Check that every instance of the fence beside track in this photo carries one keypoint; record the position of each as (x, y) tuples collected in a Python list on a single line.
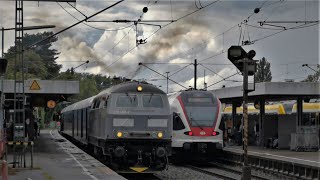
[(274, 166)]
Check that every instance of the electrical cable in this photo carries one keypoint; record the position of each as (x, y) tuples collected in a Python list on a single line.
[(180, 19), (122, 28), (296, 27), (164, 76), (162, 28), (180, 70), (223, 79), (215, 55), (211, 71)]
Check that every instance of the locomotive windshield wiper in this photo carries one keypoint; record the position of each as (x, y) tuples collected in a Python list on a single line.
[(129, 97), (150, 97), (195, 122)]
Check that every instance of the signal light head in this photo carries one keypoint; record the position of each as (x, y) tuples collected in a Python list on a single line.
[(251, 54)]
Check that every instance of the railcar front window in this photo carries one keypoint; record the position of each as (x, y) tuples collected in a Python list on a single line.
[(127, 101), (201, 115), (152, 101)]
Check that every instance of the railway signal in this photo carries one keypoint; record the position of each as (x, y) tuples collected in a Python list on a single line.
[(244, 62), (236, 54)]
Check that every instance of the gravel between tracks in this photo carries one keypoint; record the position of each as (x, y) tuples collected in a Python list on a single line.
[(178, 172)]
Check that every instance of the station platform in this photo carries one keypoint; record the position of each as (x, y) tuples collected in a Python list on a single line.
[(303, 158), (57, 158)]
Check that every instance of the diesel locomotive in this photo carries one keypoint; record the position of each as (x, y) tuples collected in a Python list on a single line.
[(128, 125)]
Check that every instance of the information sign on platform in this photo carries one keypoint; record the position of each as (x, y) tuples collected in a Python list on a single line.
[(51, 104)]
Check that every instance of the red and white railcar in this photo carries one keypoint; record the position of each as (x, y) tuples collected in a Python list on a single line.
[(196, 121)]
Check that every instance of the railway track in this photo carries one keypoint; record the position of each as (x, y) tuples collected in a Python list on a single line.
[(278, 168), (222, 171)]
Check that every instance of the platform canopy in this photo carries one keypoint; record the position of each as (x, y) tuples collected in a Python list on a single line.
[(275, 91), (40, 92), (49, 0)]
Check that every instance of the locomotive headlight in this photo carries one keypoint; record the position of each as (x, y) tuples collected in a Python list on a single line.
[(139, 88), (119, 134), (160, 135)]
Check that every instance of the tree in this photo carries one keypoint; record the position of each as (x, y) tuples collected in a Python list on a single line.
[(45, 51), (39, 61), (315, 77), (263, 73), (33, 64)]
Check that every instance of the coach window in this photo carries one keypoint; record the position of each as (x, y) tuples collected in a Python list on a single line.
[(105, 104), (177, 122), (96, 104), (93, 104)]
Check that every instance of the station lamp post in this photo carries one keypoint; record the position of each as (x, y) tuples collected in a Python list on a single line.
[(243, 61)]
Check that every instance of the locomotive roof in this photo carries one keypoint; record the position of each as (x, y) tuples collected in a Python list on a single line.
[(128, 87), (125, 87)]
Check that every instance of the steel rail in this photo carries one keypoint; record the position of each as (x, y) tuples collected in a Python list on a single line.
[(239, 172), (211, 173)]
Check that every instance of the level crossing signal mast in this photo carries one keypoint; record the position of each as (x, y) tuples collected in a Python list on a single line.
[(244, 62)]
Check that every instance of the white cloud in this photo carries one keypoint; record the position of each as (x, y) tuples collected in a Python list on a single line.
[(180, 42)]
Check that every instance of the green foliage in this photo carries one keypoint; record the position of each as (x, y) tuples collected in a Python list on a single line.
[(45, 51), (315, 77), (33, 63), (39, 61), (263, 73), (91, 84)]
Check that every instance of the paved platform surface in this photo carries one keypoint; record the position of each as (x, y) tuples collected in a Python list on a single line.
[(306, 158), (55, 158)]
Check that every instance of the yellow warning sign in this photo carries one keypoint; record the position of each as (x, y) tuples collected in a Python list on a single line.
[(35, 85)]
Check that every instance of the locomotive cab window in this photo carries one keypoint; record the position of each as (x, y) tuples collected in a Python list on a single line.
[(154, 101), (106, 102), (127, 101)]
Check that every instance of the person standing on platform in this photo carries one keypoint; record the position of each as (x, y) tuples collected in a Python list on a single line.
[(35, 125)]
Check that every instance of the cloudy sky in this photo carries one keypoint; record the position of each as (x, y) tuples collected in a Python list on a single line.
[(201, 29)]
